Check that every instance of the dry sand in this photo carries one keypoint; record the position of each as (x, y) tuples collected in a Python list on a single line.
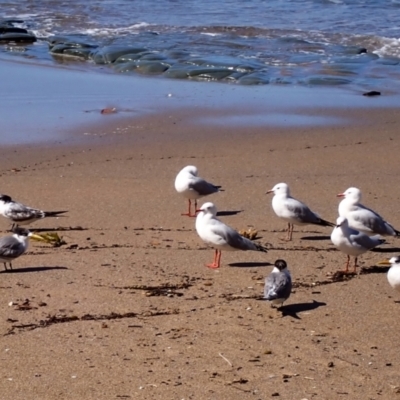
[(127, 309)]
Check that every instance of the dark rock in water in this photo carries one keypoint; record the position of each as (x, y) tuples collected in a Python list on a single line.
[(78, 52), (209, 73), (177, 71), (109, 54), (362, 50), (254, 79), (143, 67), (372, 93), (69, 41), (17, 38), (11, 29), (153, 56), (152, 67), (130, 57)]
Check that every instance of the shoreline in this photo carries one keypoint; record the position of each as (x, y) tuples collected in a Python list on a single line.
[(58, 104)]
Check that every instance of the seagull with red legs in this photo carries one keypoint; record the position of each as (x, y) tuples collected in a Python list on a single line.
[(192, 187), (220, 236), (352, 242)]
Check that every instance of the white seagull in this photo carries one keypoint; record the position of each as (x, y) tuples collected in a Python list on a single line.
[(362, 218), (292, 210), (192, 187), (220, 236), (20, 214), (14, 246), (352, 242), (393, 275), (278, 285)]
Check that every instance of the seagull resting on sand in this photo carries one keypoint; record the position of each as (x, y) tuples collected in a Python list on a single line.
[(393, 275), (278, 285), (14, 246), (352, 242), (220, 236), (292, 210), (362, 218), (20, 214), (192, 187)]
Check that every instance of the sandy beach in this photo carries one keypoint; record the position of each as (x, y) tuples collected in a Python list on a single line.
[(126, 309)]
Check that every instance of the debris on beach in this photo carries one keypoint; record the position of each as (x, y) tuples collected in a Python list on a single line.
[(110, 110), (249, 233), (52, 238)]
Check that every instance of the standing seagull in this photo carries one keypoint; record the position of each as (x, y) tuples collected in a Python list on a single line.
[(393, 275), (14, 246), (189, 185), (220, 236), (352, 242), (20, 214), (292, 210), (362, 218), (278, 285)]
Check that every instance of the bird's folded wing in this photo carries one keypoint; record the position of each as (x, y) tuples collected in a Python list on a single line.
[(202, 187)]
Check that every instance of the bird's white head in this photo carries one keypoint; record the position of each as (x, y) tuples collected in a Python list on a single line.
[(21, 233), (341, 222), (280, 189), (208, 208), (190, 169), (395, 260), (352, 194)]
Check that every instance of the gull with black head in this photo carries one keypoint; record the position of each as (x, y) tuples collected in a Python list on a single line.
[(11, 247), (21, 214), (278, 284)]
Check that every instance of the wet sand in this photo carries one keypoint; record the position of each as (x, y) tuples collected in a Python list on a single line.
[(127, 309)]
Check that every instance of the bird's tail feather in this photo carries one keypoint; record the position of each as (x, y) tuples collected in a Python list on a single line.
[(326, 223), (53, 213), (260, 247), (397, 232)]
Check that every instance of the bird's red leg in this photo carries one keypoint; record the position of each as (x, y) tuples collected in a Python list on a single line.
[(291, 227), (355, 266), (189, 209), (346, 271), (215, 263)]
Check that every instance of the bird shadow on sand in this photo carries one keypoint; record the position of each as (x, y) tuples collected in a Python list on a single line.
[(386, 250), (227, 213), (293, 309), (32, 269), (315, 238), (60, 229), (250, 264)]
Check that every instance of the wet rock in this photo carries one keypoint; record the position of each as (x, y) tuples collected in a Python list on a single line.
[(372, 93), (108, 54), (17, 37), (254, 79)]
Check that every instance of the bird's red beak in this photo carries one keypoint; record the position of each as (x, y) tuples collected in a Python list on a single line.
[(269, 191), (198, 210), (340, 195)]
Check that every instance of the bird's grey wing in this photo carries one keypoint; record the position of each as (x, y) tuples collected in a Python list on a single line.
[(10, 247), (373, 221), (203, 187), (233, 238), (277, 286), (302, 212), (364, 241), (19, 212)]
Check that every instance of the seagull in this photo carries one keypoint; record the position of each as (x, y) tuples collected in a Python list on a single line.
[(293, 210), (220, 236), (278, 285), (11, 247), (352, 242), (362, 218), (393, 274), (192, 187), (20, 214)]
